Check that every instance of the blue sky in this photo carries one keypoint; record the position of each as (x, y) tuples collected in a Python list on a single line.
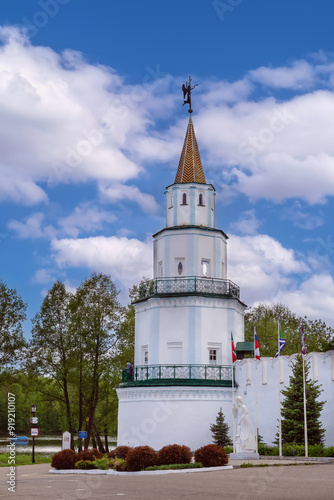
[(92, 127)]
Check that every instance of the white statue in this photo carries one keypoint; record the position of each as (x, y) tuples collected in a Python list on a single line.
[(245, 439)]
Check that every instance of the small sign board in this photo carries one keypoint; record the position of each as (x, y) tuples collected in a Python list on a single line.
[(82, 434), (66, 442), (34, 420), (34, 431)]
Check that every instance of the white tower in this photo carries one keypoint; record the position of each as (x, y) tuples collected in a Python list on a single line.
[(184, 319)]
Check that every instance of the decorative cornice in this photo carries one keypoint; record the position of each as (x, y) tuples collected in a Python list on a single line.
[(190, 300), (173, 394), (191, 230)]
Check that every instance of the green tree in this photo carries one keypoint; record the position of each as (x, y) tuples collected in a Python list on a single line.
[(12, 315), (319, 336), (293, 407), (53, 348), (96, 314), (220, 430)]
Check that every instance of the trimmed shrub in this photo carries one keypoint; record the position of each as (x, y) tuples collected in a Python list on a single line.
[(264, 449), (85, 465), (102, 463), (176, 466), (211, 455), (329, 452), (89, 454), (174, 454), (117, 464), (119, 452), (64, 459), (141, 457)]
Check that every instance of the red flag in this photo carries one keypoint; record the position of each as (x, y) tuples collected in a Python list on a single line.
[(234, 356)]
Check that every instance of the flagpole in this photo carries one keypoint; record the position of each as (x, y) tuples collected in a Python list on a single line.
[(255, 393), (279, 400), (233, 401), (304, 391)]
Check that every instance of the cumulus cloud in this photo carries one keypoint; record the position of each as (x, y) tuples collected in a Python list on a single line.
[(261, 266), (63, 120), (85, 218), (126, 260), (299, 75), (32, 227), (248, 223), (115, 193)]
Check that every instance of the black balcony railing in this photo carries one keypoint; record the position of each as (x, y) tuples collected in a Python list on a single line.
[(188, 285), (178, 375)]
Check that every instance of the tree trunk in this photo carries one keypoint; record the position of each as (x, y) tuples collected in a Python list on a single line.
[(98, 439), (106, 439)]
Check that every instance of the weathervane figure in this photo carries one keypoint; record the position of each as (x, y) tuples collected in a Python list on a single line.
[(187, 88)]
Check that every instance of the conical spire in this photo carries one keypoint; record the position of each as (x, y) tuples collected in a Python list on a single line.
[(190, 165)]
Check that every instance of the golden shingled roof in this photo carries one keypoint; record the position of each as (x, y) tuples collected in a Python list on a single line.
[(190, 165)]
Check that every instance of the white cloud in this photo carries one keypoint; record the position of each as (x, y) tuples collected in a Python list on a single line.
[(299, 75), (43, 276), (32, 227), (118, 192), (314, 298), (248, 223), (85, 218), (300, 218), (63, 119), (126, 260), (261, 266)]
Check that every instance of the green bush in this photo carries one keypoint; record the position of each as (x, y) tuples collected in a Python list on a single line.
[(211, 455), (85, 465), (316, 450), (89, 454), (267, 450), (119, 452), (176, 466), (174, 454), (329, 452), (141, 457), (64, 459), (118, 464), (297, 450), (102, 463)]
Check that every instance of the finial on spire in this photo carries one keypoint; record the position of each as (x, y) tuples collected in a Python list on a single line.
[(187, 88)]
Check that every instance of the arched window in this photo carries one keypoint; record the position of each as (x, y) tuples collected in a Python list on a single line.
[(180, 268), (200, 200), (184, 199), (171, 200)]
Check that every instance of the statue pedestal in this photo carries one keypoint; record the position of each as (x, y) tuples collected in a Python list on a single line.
[(244, 456)]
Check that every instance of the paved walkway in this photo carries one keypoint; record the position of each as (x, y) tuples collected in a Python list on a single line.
[(303, 482)]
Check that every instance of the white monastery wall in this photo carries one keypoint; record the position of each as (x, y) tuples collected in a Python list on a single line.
[(263, 376)]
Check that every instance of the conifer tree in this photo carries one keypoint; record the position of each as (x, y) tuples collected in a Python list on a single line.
[(220, 430), (293, 408)]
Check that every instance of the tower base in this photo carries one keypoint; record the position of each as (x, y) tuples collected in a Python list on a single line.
[(159, 416)]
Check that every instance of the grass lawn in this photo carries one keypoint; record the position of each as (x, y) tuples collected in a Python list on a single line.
[(24, 459)]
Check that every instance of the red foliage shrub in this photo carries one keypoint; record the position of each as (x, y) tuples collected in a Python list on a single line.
[(174, 454), (89, 454), (119, 452), (64, 459), (211, 455), (141, 457)]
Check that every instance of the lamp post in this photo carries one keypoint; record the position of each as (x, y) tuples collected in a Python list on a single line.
[(33, 411)]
